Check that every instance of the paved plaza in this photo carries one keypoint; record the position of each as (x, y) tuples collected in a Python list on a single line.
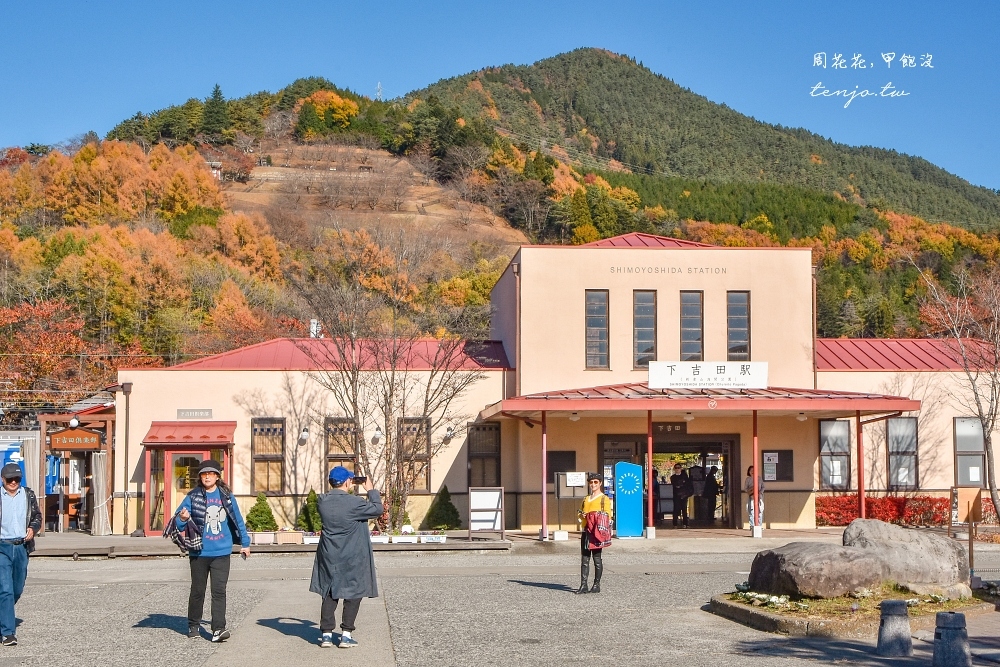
[(465, 608)]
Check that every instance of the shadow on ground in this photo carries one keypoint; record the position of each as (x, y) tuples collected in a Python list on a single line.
[(293, 627), (173, 622), (853, 652), (543, 584)]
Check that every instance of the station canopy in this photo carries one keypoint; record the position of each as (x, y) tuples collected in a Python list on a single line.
[(625, 400)]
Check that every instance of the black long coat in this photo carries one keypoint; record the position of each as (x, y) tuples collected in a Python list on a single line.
[(345, 567)]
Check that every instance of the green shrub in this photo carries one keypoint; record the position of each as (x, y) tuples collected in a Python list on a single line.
[(309, 519), (442, 515), (260, 517)]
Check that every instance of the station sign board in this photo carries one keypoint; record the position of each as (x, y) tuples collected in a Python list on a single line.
[(708, 375)]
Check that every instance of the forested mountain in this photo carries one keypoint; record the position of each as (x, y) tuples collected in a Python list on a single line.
[(593, 102), (192, 229)]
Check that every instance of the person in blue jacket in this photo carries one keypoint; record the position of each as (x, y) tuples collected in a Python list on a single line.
[(217, 516)]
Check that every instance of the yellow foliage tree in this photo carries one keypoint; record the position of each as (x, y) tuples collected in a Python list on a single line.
[(331, 106)]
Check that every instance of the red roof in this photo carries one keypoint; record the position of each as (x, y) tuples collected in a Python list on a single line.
[(310, 354), (638, 396), (190, 433), (886, 354), (640, 240)]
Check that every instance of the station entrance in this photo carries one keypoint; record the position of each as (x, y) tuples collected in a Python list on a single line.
[(710, 462)]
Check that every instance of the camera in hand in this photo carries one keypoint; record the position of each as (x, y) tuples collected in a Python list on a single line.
[(360, 479)]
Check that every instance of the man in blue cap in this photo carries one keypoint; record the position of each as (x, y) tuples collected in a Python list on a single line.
[(20, 519), (344, 568)]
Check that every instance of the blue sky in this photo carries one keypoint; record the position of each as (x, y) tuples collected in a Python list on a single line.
[(73, 66)]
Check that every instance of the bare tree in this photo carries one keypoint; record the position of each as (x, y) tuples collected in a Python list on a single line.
[(375, 189), (333, 191), (244, 142), (278, 125), (398, 187), (969, 315), (355, 191), (426, 164), (377, 360)]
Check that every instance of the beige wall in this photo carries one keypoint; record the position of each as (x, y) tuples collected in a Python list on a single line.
[(238, 396), (503, 303), (553, 284), (941, 395)]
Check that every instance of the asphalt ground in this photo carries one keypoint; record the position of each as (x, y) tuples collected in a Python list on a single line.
[(459, 609)]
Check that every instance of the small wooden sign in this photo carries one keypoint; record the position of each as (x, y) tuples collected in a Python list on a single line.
[(76, 438), (966, 505)]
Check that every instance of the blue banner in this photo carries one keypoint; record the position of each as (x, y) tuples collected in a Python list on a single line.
[(51, 475), (12, 454), (628, 499)]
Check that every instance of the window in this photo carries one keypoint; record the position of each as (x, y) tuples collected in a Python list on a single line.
[(643, 328), (484, 454), (267, 449), (597, 329), (415, 451), (738, 326), (341, 437), (970, 453), (835, 454), (558, 462), (692, 323), (901, 444)]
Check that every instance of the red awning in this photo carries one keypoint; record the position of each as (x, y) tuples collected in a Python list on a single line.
[(625, 398), (190, 433)]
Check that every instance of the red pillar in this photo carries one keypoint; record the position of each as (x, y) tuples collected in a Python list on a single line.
[(756, 474), (861, 466), (543, 534), (651, 487)]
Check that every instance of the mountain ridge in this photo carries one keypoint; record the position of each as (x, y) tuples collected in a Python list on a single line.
[(679, 133)]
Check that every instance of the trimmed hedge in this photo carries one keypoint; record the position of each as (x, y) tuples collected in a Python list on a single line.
[(908, 511)]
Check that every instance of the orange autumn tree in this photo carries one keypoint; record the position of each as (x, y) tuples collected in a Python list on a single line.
[(110, 181)]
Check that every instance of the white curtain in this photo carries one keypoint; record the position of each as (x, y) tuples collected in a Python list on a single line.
[(29, 450), (100, 523)]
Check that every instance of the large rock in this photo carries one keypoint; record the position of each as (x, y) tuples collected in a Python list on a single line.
[(814, 570), (922, 562)]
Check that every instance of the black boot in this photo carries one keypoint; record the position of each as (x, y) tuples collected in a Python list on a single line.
[(584, 573), (598, 571)]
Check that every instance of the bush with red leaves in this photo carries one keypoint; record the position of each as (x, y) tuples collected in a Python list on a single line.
[(902, 510)]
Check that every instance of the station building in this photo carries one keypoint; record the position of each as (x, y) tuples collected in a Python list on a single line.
[(564, 385)]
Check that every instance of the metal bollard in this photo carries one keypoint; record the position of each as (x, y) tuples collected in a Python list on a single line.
[(951, 641), (894, 630)]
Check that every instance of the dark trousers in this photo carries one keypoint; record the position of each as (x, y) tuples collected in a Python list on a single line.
[(328, 614), (200, 569), (585, 555), (681, 510), (13, 572)]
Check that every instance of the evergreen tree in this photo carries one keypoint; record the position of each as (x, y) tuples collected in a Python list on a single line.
[(309, 519), (309, 124), (442, 515), (215, 118), (579, 209), (260, 517)]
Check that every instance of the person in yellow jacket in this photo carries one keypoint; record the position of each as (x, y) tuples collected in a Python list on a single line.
[(595, 501)]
